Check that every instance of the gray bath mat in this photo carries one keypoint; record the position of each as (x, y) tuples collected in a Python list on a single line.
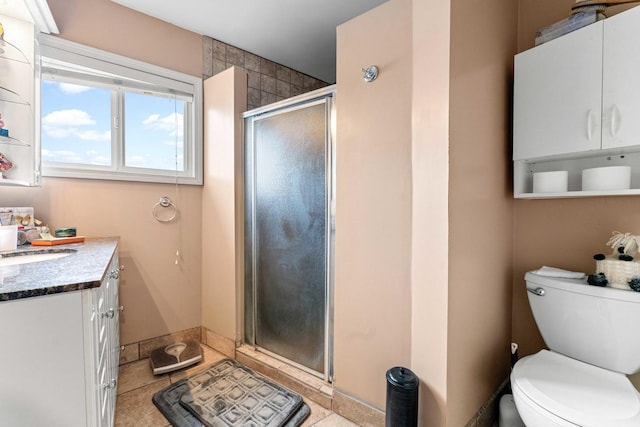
[(230, 394)]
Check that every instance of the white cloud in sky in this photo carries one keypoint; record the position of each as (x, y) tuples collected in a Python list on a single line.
[(71, 89), (173, 123), (92, 135), (66, 123), (91, 157), (71, 117)]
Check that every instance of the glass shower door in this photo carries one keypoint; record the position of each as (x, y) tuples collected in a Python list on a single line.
[(288, 236)]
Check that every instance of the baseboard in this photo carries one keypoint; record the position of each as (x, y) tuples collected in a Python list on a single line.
[(487, 415), (354, 409), (217, 342)]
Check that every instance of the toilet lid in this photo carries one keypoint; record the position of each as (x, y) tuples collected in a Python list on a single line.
[(577, 392)]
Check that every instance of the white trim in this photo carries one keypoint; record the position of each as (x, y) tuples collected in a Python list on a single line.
[(185, 87), (42, 17)]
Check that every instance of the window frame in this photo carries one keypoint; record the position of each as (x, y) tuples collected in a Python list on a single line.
[(140, 77)]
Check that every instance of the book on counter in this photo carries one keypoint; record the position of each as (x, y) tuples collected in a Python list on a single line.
[(572, 23), (57, 241)]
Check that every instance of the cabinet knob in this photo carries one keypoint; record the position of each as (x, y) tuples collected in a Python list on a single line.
[(121, 348), (109, 313), (111, 384), (121, 268), (114, 274), (121, 308)]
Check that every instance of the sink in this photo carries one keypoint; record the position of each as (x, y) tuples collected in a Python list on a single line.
[(17, 258)]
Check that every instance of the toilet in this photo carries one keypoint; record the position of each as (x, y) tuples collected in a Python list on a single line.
[(594, 342)]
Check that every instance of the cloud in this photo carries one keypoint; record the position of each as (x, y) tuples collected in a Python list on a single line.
[(71, 89), (90, 157), (67, 123), (92, 135), (68, 118), (173, 123)]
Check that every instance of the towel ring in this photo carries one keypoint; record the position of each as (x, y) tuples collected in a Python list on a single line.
[(164, 202)]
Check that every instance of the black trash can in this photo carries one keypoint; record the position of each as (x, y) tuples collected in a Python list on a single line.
[(402, 398)]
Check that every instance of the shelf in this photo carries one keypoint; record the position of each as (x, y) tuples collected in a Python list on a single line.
[(13, 141), (577, 194), (523, 171), (16, 182), (11, 52), (7, 94)]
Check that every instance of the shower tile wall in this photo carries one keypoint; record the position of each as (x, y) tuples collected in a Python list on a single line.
[(268, 82)]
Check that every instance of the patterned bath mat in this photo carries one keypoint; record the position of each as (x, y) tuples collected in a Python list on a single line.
[(230, 394)]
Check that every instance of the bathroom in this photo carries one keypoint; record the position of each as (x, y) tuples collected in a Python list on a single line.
[(431, 247)]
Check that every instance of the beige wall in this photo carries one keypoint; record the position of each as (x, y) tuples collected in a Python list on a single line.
[(159, 296), (225, 100), (373, 202), (430, 215), (483, 42), (106, 25), (456, 149)]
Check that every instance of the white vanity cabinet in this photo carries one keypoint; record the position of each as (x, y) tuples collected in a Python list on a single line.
[(576, 104), (59, 358)]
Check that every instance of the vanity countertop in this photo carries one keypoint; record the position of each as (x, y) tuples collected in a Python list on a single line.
[(83, 269)]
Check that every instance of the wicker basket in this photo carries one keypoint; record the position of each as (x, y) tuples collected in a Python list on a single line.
[(618, 272)]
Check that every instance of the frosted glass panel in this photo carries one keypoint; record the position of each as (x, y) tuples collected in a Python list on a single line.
[(290, 215)]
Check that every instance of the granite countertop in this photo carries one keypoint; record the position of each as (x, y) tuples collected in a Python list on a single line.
[(85, 267)]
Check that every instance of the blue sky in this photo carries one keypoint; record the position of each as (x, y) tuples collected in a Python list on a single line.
[(76, 127)]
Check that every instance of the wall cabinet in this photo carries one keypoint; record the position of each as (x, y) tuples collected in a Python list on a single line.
[(60, 357), (576, 100), (19, 112)]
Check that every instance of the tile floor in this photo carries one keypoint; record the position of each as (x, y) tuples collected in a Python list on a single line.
[(137, 385)]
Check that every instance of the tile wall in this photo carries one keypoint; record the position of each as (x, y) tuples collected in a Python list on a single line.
[(268, 82)]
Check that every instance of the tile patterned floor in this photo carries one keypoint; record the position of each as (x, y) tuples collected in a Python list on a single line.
[(137, 385)]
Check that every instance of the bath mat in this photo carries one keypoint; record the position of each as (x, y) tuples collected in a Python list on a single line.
[(230, 394)]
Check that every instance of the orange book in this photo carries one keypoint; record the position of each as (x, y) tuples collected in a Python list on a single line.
[(57, 241)]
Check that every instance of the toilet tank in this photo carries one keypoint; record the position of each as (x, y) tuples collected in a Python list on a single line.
[(600, 326)]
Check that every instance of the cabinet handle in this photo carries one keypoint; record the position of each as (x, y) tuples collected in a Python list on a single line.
[(590, 125), (616, 118)]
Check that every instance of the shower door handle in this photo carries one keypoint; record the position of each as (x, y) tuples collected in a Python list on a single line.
[(537, 291)]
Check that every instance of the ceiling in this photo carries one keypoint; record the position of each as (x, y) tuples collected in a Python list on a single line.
[(300, 34)]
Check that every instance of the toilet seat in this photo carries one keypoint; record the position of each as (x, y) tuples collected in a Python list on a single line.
[(575, 392)]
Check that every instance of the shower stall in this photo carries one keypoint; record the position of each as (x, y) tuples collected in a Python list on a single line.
[(289, 229)]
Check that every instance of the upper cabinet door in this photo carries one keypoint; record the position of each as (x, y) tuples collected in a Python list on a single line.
[(621, 80), (557, 96), (19, 141)]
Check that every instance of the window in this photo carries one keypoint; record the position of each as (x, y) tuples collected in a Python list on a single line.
[(104, 116)]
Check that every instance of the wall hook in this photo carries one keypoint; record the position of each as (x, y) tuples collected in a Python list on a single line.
[(370, 73)]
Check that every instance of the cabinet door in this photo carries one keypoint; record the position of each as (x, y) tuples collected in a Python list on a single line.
[(19, 141), (621, 80), (557, 96), (111, 291)]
